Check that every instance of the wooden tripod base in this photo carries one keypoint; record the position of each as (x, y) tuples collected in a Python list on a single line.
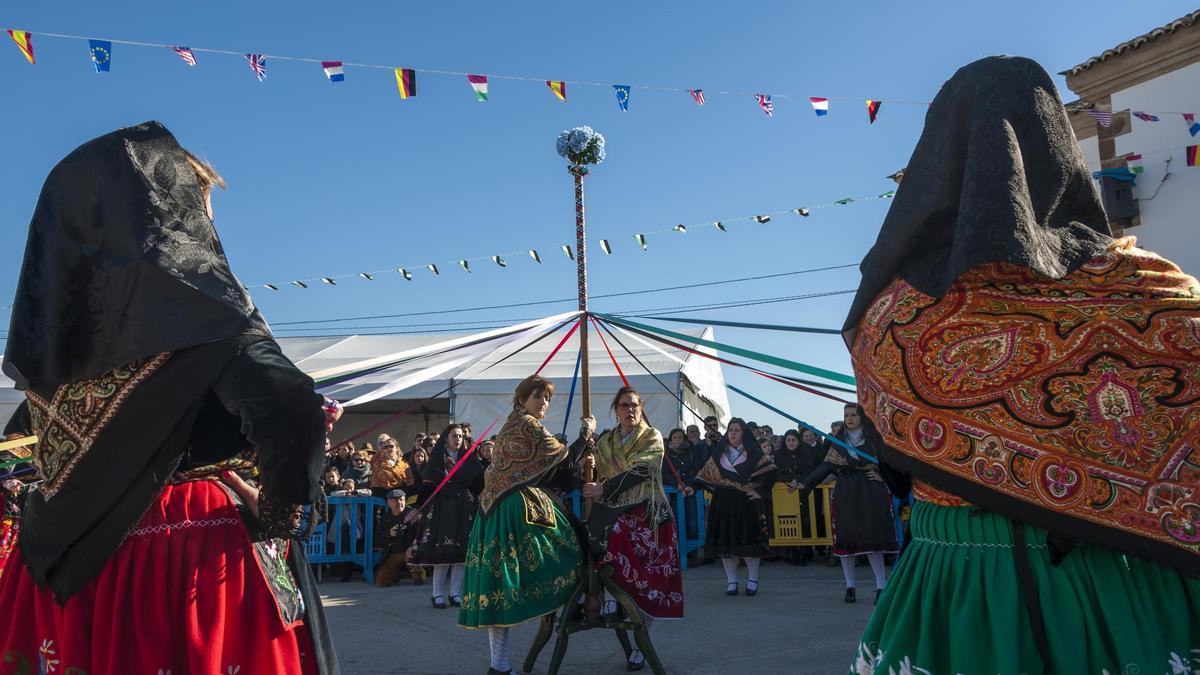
[(572, 619)]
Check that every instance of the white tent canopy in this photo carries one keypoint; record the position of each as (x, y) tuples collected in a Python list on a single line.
[(492, 378)]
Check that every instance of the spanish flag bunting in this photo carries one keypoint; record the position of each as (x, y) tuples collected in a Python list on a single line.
[(681, 229), (567, 252), (606, 246), (534, 254), (641, 240), (299, 284), (406, 81), (405, 273), (433, 268), (762, 219), (499, 261), (329, 281), (1191, 154), (873, 109), (366, 276), (465, 265), (559, 89), (802, 211), (24, 40)]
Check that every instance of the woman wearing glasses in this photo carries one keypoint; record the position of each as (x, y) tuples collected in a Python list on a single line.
[(631, 519)]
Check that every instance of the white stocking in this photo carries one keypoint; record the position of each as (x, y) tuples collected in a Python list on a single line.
[(876, 560), (752, 568), (457, 572), (730, 565), (498, 643), (848, 570), (439, 580)]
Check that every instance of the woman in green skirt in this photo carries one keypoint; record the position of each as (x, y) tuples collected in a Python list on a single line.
[(1034, 382), (524, 556)]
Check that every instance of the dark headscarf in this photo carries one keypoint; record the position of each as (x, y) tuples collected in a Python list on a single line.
[(996, 176), (122, 262)]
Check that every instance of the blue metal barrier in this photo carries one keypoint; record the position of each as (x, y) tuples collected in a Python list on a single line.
[(678, 500), (348, 535)]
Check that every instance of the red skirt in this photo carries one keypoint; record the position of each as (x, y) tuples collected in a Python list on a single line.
[(646, 563), (183, 594)]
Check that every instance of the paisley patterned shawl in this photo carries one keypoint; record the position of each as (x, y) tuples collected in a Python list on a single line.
[(524, 451), (641, 453), (749, 475), (1073, 405)]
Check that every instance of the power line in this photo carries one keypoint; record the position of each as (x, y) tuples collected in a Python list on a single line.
[(453, 326), (571, 299)]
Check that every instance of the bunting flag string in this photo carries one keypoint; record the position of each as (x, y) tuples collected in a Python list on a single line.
[(101, 51), (406, 82), (186, 54), (559, 88), (642, 239), (622, 91), (24, 40), (479, 83), (873, 109), (334, 71), (764, 102), (258, 63)]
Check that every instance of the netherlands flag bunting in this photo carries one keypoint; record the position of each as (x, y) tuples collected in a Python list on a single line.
[(333, 70), (820, 105)]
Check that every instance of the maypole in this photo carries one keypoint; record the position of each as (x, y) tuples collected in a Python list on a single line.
[(582, 147)]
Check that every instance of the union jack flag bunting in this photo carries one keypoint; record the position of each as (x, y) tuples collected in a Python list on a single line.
[(185, 54), (1145, 116), (258, 63), (697, 94), (764, 102)]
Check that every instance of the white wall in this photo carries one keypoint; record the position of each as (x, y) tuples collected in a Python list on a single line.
[(1169, 221)]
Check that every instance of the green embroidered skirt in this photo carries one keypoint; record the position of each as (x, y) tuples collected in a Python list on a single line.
[(517, 571), (953, 606)]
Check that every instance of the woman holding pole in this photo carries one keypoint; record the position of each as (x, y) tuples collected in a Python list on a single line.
[(631, 517), (524, 557)]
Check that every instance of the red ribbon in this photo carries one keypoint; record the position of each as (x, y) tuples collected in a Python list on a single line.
[(560, 346), (610, 354), (459, 463)]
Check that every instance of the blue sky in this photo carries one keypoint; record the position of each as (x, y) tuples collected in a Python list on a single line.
[(338, 179)]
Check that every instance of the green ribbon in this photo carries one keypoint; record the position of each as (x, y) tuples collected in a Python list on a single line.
[(730, 349), (832, 439), (738, 324)]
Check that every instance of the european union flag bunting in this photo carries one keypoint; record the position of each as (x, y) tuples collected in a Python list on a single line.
[(622, 96), (101, 54)]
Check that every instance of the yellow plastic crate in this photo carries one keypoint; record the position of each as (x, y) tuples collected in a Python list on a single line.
[(794, 527)]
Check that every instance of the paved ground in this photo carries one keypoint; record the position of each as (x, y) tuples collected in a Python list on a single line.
[(796, 624)]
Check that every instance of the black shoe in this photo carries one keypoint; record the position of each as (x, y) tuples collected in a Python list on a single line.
[(438, 602), (493, 671), (731, 588), (752, 590), (878, 592), (456, 600), (849, 595)]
